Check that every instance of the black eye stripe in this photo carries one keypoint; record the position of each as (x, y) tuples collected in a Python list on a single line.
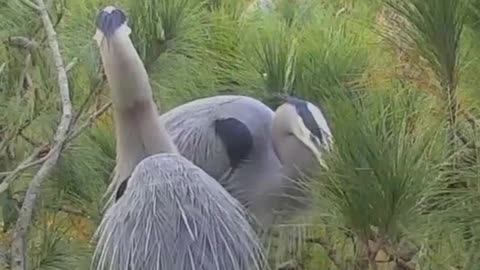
[(308, 119)]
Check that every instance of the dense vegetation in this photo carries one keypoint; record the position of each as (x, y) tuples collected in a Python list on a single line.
[(397, 79)]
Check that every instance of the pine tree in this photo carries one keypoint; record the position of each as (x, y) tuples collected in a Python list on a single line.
[(398, 81)]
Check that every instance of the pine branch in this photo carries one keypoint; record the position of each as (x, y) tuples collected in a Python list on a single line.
[(25, 216), (36, 158)]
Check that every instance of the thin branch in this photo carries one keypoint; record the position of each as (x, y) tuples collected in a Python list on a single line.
[(29, 162), (93, 92), (29, 140), (71, 64), (29, 4), (22, 43), (25, 215), (331, 252), (91, 119), (35, 158), (69, 210), (9, 137), (2, 67)]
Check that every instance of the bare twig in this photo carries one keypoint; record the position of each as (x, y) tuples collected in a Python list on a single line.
[(25, 216), (29, 4), (22, 43), (71, 65), (25, 78), (29, 162), (35, 158), (29, 140), (93, 92), (74, 134), (2, 67), (331, 252), (290, 265), (69, 209), (11, 135)]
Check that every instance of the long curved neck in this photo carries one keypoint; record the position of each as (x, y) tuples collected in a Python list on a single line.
[(139, 133)]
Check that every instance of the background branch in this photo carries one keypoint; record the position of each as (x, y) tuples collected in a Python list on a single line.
[(25, 216)]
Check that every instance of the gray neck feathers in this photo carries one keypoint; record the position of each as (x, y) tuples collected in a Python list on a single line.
[(138, 132)]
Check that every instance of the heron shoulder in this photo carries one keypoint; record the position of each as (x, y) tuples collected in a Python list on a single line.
[(236, 137)]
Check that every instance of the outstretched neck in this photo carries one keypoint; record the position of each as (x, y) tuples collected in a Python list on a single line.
[(126, 74), (139, 133)]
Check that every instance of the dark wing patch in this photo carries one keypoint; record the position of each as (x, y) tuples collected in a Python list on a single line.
[(109, 21), (307, 116), (121, 189), (236, 138)]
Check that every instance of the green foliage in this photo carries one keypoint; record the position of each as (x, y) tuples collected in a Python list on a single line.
[(390, 149), (434, 28), (380, 174), (83, 181), (51, 249)]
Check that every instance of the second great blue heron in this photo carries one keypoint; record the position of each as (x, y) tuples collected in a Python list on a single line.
[(173, 215), (258, 155)]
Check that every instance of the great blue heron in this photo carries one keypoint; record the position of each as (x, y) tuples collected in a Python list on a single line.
[(173, 216), (258, 155)]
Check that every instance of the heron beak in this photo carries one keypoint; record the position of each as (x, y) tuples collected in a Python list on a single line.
[(109, 22)]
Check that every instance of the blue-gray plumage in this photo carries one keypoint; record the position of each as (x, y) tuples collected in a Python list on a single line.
[(171, 215), (286, 145), (193, 129), (175, 216), (109, 20), (268, 179), (236, 138)]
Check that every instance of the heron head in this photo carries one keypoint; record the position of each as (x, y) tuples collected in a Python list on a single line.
[(300, 119), (111, 22)]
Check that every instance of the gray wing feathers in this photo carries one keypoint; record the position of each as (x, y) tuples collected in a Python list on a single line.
[(176, 217), (191, 127), (237, 139)]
